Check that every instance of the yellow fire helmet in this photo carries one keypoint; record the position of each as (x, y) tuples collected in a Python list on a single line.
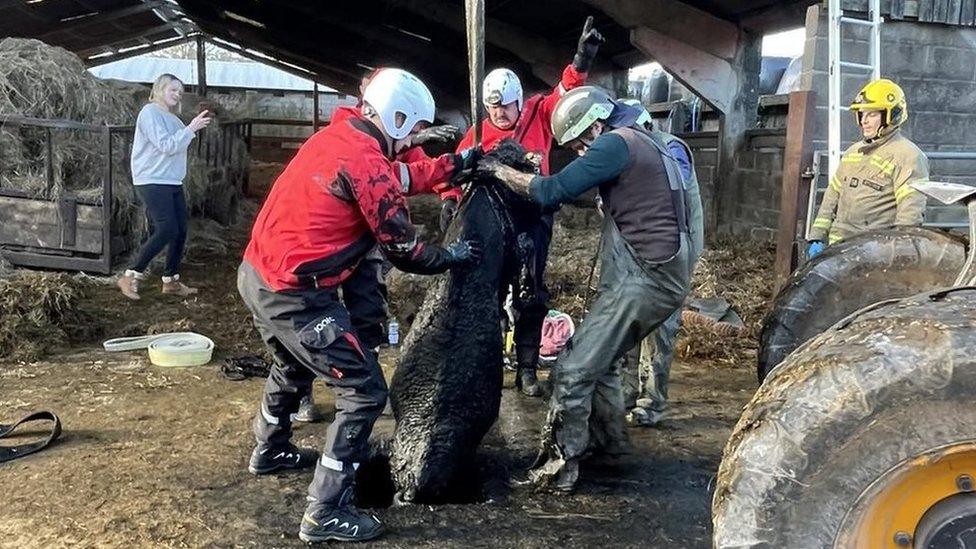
[(885, 96)]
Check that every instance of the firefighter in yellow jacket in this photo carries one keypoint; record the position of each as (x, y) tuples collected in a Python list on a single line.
[(870, 189)]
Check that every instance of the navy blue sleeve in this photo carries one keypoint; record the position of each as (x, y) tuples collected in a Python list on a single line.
[(607, 158), (679, 153)]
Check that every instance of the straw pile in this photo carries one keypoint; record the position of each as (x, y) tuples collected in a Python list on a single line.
[(41, 81), (742, 273), (40, 311), (572, 261)]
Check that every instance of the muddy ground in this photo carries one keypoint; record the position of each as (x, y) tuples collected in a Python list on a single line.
[(154, 457)]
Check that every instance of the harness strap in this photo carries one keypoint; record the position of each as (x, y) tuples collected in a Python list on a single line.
[(8, 453)]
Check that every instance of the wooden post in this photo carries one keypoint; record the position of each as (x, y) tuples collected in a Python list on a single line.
[(797, 159), (201, 66), (315, 107)]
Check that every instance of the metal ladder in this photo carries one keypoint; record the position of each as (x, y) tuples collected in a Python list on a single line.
[(837, 64)]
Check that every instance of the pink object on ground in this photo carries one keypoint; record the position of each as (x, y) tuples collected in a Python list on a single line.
[(557, 328)]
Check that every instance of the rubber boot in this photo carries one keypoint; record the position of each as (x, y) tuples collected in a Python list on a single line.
[(527, 382), (172, 285), (307, 412)]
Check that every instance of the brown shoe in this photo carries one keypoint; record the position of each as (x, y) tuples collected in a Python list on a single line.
[(129, 284), (172, 285)]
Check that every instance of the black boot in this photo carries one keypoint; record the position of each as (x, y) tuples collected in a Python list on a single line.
[(307, 412), (527, 383), (343, 522), (267, 459)]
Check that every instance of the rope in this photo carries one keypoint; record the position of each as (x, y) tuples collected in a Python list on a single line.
[(175, 349)]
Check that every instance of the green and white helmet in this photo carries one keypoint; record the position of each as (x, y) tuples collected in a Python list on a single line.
[(577, 110), (644, 117)]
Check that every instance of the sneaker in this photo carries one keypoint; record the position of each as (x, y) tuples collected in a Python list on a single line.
[(307, 412), (129, 284), (267, 459), (172, 285), (527, 382), (340, 523)]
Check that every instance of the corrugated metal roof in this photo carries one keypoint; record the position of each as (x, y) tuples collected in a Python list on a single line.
[(223, 74)]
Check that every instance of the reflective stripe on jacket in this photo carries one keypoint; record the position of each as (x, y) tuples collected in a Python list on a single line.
[(871, 189)]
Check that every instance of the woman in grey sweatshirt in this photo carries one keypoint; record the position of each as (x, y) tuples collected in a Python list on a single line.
[(158, 167)]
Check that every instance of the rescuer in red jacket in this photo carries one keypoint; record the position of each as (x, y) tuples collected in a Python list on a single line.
[(366, 296), (528, 122), (338, 199)]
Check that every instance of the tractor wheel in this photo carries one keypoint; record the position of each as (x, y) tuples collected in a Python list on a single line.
[(847, 276), (865, 437)]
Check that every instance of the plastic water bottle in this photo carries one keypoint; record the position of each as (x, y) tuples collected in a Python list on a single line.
[(393, 333)]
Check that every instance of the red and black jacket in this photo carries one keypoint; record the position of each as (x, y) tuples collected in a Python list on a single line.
[(337, 198)]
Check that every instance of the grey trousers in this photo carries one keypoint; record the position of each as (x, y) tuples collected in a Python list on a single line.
[(633, 299), (657, 350), (309, 334)]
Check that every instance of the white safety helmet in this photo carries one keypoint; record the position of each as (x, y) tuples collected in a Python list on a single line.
[(396, 91), (501, 87), (645, 117)]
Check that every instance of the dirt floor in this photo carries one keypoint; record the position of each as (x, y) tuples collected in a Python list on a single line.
[(155, 457)]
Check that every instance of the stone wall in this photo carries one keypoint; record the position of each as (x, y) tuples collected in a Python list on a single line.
[(755, 188)]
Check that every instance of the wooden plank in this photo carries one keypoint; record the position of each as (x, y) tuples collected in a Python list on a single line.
[(926, 9), (36, 223), (897, 11), (101, 18), (29, 258), (201, 66), (967, 15), (940, 11), (953, 12), (798, 157)]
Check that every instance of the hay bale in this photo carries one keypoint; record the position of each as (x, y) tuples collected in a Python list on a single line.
[(40, 312)]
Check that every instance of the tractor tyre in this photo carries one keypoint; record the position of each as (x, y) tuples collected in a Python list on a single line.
[(865, 437), (852, 274)]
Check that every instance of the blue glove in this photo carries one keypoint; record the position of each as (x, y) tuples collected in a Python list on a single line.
[(814, 248), (464, 252)]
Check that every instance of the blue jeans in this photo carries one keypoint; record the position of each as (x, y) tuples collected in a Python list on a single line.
[(166, 210)]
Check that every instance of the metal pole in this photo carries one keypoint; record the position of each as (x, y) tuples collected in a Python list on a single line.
[(967, 277), (834, 14), (315, 107), (107, 203), (876, 39), (50, 161)]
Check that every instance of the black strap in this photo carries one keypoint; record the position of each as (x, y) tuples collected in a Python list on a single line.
[(8, 453)]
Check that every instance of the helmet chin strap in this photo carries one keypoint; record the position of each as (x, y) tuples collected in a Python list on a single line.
[(878, 134)]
